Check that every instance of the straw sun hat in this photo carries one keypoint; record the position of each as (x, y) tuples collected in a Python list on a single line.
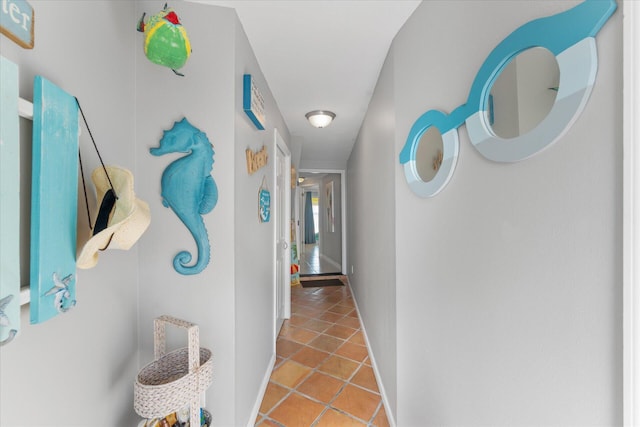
[(117, 226)]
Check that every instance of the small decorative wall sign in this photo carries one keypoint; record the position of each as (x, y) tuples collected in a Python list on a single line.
[(256, 160), (188, 188), (16, 22), (253, 102), (264, 202)]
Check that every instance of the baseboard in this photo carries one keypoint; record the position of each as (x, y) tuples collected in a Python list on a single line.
[(262, 391), (374, 365)]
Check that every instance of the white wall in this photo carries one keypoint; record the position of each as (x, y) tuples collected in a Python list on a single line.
[(254, 241), (500, 302), (522, 95), (509, 281), (331, 241), (232, 299), (505, 102), (371, 233), (78, 368), (537, 72), (205, 96)]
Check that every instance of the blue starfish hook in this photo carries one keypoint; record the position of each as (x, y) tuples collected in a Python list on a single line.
[(61, 292), (4, 319)]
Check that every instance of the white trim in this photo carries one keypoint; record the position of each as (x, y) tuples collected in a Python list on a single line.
[(25, 295), (296, 216), (280, 145), (261, 392), (343, 213), (25, 109), (374, 365), (631, 215)]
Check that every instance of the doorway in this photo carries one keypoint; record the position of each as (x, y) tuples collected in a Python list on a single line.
[(321, 227), (282, 238)]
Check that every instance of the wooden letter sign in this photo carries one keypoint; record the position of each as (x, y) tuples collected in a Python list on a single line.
[(256, 160), (16, 22)]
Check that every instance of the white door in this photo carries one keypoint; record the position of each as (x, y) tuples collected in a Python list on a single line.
[(296, 217), (283, 233), (301, 224)]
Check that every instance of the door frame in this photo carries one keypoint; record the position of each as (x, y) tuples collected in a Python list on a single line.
[(343, 210), (281, 216)]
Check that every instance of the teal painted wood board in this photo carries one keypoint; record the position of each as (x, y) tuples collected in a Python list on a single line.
[(9, 202), (54, 199)]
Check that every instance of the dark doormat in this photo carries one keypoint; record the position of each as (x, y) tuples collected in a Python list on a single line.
[(319, 283), (337, 273)]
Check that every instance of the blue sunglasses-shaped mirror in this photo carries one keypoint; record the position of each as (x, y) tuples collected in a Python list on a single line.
[(570, 37)]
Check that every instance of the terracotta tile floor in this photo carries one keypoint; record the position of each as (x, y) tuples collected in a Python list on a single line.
[(322, 375)]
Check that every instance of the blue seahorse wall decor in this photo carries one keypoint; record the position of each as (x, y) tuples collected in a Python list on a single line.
[(188, 188)]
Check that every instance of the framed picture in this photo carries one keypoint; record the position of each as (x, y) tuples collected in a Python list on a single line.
[(328, 189)]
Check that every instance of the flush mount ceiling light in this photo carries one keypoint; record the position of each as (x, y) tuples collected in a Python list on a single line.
[(320, 118)]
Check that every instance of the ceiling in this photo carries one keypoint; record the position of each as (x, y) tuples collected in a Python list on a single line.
[(321, 55)]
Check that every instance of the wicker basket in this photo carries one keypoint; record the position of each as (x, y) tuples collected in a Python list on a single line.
[(175, 379)]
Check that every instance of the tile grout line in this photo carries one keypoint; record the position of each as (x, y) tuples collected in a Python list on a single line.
[(328, 405), (346, 296), (375, 413)]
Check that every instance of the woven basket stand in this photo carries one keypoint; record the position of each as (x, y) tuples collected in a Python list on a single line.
[(175, 379)]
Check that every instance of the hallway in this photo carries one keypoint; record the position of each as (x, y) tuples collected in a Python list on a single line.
[(322, 374), (312, 263)]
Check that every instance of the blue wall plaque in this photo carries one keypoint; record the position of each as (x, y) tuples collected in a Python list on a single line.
[(253, 102), (16, 22), (265, 205)]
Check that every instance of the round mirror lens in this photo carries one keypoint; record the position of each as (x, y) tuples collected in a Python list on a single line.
[(429, 154), (524, 93)]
